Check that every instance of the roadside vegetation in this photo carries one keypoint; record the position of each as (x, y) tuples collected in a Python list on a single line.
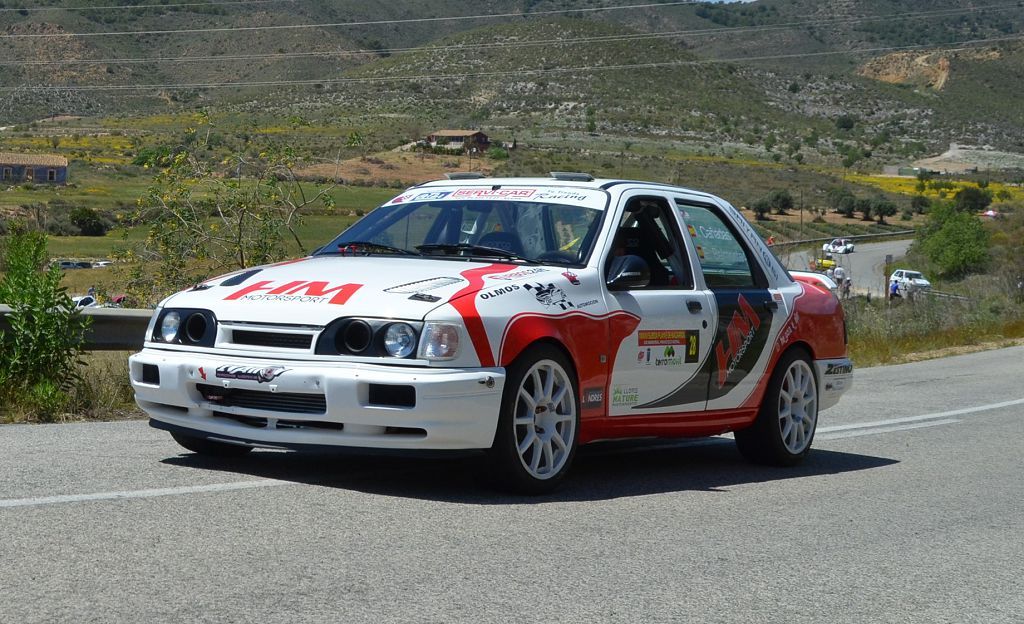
[(174, 206)]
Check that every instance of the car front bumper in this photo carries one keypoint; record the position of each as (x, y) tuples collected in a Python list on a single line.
[(318, 403)]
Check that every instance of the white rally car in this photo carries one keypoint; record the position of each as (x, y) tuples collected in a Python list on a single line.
[(519, 317)]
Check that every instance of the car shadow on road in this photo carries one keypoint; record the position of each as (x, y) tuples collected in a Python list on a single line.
[(602, 471)]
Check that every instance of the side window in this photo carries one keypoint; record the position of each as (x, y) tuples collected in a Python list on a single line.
[(722, 258), (648, 229)]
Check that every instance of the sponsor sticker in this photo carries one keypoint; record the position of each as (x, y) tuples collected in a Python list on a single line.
[(489, 193), (400, 199), (593, 397), (250, 373), (550, 295), (740, 332), (839, 369), (514, 275), (497, 292), (569, 195), (298, 291), (586, 304), (668, 357), (572, 277), (434, 195), (661, 337), (624, 396)]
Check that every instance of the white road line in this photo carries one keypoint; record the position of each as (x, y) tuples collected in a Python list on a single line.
[(188, 489), (933, 416), (839, 435)]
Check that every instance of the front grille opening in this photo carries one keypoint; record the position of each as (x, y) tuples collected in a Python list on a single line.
[(151, 374), (252, 421), (288, 402), (310, 424), (405, 431), (392, 395), (271, 339)]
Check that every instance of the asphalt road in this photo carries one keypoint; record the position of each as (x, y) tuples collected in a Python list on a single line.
[(864, 266), (909, 510)]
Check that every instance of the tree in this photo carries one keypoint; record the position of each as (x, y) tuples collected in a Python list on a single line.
[(203, 222), (780, 201), (920, 204), (761, 208), (88, 222), (883, 208), (956, 242), (865, 207), (972, 199)]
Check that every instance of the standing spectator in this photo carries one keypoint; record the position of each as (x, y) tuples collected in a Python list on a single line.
[(840, 275)]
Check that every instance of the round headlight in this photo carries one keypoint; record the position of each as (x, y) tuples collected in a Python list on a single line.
[(169, 326), (400, 340)]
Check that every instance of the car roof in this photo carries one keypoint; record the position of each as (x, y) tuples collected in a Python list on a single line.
[(564, 180)]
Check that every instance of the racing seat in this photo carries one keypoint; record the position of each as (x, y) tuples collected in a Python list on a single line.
[(632, 241), (506, 241)]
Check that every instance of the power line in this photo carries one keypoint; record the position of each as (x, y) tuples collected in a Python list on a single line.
[(418, 20), (521, 72), (136, 6), (515, 44)]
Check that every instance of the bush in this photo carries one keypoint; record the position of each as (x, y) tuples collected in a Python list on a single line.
[(41, 351), (88, 222), (497, 153)]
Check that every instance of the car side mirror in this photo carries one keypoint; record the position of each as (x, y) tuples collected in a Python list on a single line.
[(628, 272)]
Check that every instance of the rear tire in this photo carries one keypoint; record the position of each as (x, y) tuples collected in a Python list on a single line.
[(785, 425), (210, 448), (538, 426)]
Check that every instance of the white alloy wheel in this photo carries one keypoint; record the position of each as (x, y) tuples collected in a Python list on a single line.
[(538, 426), (782, 433), (798, 407), (544, 419)]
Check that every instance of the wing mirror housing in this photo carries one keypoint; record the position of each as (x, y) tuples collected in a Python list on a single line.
[(628, 272)]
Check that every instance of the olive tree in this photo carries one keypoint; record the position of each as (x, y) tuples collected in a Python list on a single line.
[(208, 219)]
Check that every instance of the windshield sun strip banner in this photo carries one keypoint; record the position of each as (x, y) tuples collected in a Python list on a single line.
[(588, 198)]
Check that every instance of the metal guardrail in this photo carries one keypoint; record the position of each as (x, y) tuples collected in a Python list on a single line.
[(112, 329), (853, 237)]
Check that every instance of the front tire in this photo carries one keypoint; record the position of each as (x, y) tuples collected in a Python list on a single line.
[(785, 425), (210, 448), (538, 426)]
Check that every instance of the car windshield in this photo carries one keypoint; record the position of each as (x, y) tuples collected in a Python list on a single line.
[(528, 231), (914, 275)]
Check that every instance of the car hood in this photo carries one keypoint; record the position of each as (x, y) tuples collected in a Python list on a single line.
[(317, 290)]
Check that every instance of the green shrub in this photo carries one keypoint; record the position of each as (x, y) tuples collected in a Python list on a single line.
[(41, 350)]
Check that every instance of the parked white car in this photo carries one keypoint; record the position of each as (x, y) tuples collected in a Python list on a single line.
[(85, 301), (909, 281), (519, 318), (838, 245)]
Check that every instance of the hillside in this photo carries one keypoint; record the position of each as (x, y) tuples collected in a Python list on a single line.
[(828, 81)]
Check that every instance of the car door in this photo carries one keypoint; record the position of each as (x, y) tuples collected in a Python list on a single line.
[(666, 349), (749, 314)]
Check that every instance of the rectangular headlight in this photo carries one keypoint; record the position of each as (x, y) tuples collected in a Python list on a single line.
[(440, 341)]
